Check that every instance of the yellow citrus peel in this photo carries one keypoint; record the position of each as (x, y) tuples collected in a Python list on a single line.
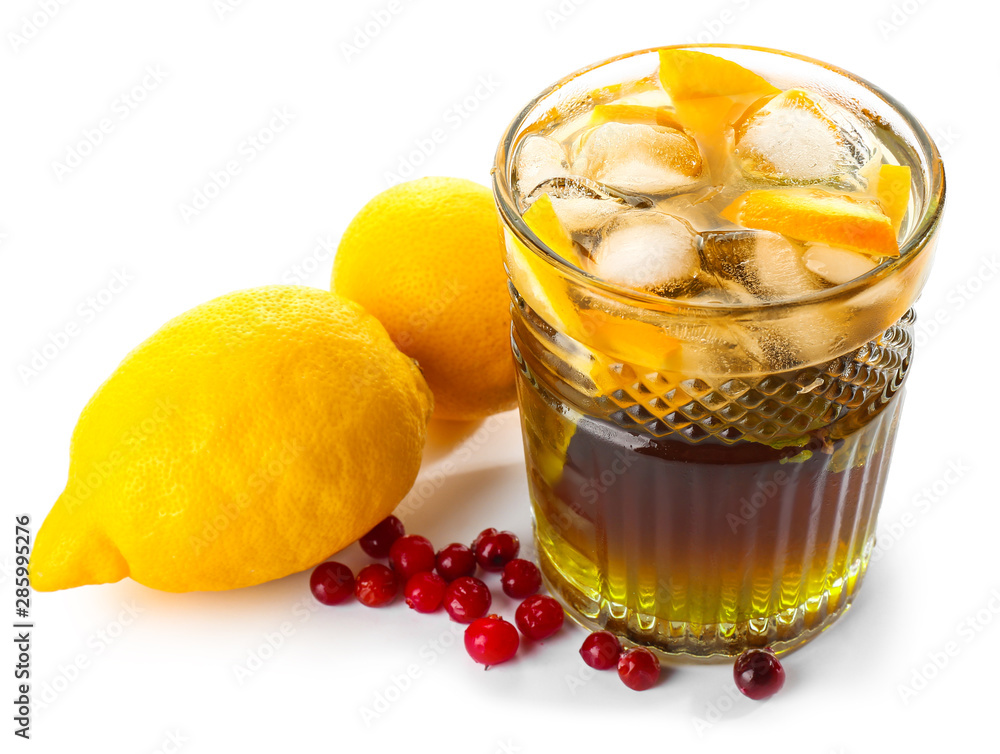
[(817, 216)]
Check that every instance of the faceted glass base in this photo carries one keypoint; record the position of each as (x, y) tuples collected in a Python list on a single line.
[(682, 642)]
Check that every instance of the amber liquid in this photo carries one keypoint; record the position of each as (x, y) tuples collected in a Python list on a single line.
[(703, 548)]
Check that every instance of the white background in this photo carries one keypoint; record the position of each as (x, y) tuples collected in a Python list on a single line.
[(169, 674)]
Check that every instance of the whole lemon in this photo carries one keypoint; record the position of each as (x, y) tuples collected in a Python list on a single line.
[(425, 258), (247, 439)]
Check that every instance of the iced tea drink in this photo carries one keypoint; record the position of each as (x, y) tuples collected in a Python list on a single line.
[(712, 256)]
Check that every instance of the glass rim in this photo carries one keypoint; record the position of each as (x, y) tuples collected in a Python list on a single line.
[(910, 249)]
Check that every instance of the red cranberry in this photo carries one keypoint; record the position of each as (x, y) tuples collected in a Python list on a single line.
[(466, 599), (758, 674), (455, 561), (491, 640), (376, 585), (410, 555), (539, 617), (520, 579), (377, 542), (331, 583), (601, 650), (639, 668), (494, 551), (479, 537), (424, 592)]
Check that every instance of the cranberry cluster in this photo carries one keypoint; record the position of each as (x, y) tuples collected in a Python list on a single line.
[(431, 580), (447, 578)]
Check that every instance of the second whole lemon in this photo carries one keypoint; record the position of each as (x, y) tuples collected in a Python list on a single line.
[(424, 257), (249, 438)]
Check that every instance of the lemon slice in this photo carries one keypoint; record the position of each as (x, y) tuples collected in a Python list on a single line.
[(894, 192), (689, 75), (629, 113), (538, 282), (817, 216)]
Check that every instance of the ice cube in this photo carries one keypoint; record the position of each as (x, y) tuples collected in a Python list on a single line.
[(798, 137), (637, 157), (539, 158), (647, 250), (812, 335), (583, 216), (583, 206), (800, 336), (700, 208), (766, 264), (724, 292), (837, 265)]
